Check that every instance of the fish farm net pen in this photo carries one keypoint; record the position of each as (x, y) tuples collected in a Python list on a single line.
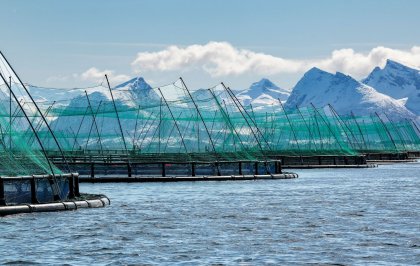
[(171, 122)]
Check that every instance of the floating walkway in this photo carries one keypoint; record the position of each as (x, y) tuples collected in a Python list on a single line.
[(324, 161), (329, 166), (127, 168), (91, 201), (116, 179), (27, 194), (392, 161)]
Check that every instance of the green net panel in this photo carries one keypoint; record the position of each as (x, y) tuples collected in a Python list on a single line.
[(174, 123), (21, 148)]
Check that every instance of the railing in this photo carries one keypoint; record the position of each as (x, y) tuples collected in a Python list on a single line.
[(38, 189), (94, 169)]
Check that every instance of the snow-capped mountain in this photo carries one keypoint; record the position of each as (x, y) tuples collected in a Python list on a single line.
[(136, 90), (131, 93), (398, 81), (263, 92), (128, 96), (345, 94), (41, 94), (139, 89)]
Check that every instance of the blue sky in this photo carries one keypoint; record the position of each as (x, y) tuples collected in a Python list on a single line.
[(71, 43)]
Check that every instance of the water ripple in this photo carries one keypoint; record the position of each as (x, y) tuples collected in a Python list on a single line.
[(326, 217)]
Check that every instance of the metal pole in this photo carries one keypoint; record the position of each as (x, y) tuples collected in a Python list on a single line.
[(307, 127), (341, 122), (10, 116), (290, 123), (205, 126), (198, 133), (328, 126), (92, 125), (247, 122), (360, 130), (135, 128), (39, 125), (407, 129), (398, 132), (199, 113), (78, 130), (160, 124), (34, 200), (317, 126), (116, 112), (239, 106), (226, 110), (33, 130), (415, 125), (2, 199), (37, 108), (173, 118), (387, 131), (94, 121), (227, 117)]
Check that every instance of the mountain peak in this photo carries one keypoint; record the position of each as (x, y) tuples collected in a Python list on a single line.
[(393, 64), (263, 92), (137, 90), (398, 81), (343, 92), (264, 83), (346, 79), (316, 71), (137, 82)]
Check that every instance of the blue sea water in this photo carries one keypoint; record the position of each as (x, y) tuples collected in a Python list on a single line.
[(341, 216)]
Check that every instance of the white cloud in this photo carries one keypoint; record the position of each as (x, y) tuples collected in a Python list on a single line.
[(222, 59), (95, 75), (360, 64), (92, 76)]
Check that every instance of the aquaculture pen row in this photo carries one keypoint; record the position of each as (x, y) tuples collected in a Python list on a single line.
[(22, 151), (174, 124), (26, 173)]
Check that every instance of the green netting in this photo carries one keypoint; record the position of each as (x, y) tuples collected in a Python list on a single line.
[(176, 124), (374, 134), (21, 153)]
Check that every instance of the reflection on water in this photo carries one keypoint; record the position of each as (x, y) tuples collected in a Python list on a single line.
[(343, 216)]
